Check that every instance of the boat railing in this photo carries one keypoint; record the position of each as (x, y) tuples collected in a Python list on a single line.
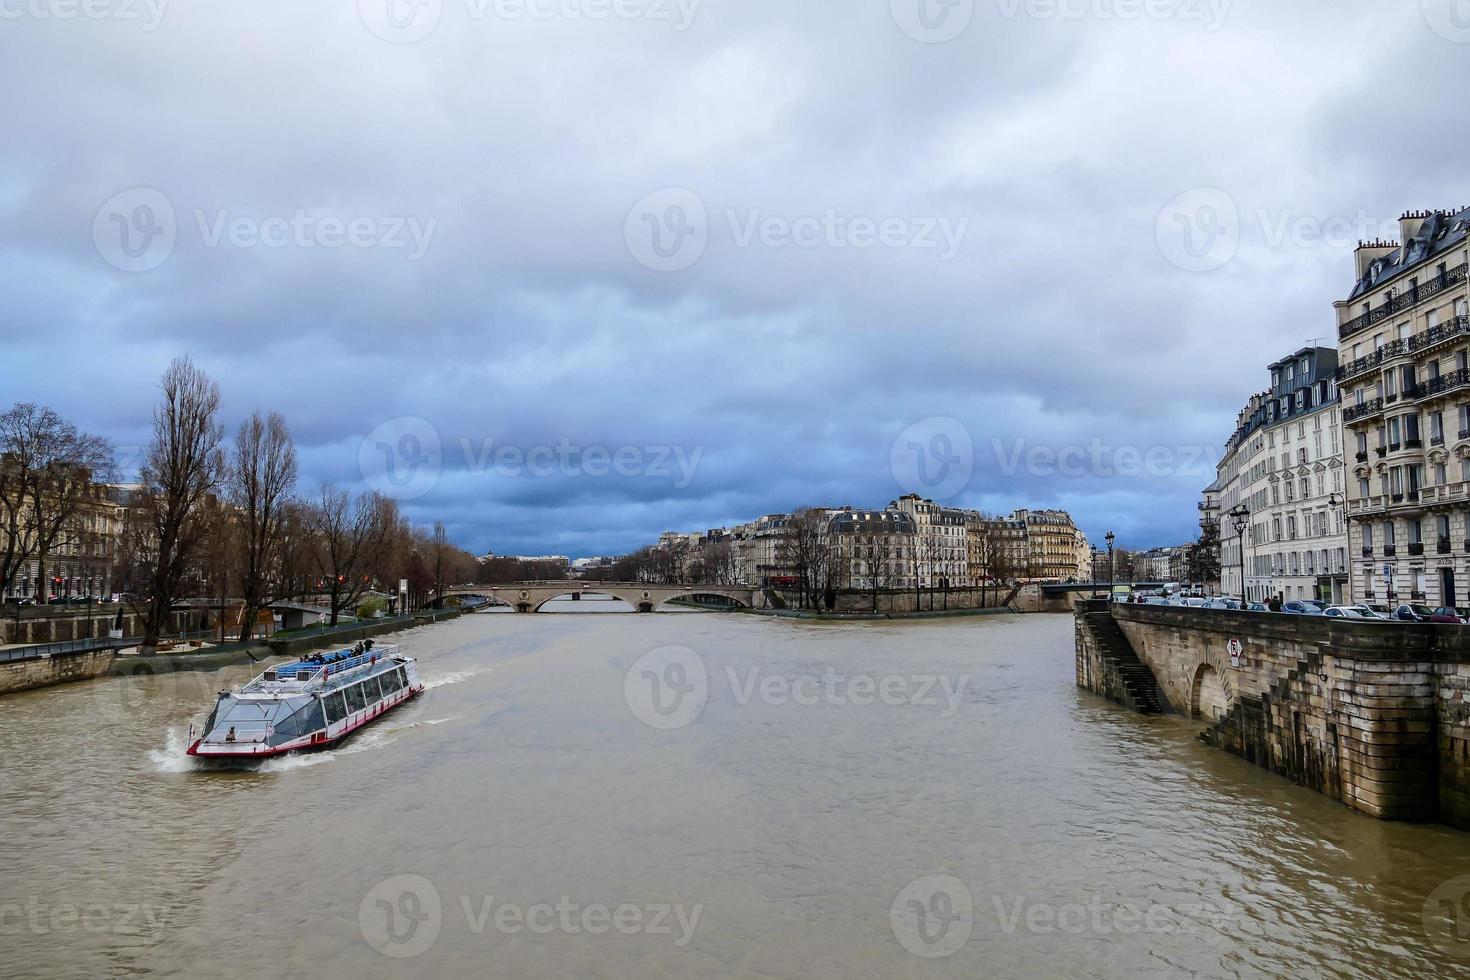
[(323, 672)]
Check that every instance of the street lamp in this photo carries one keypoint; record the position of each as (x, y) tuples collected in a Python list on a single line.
[(1240, 515), (1110, 537), (1096, 554), (1335, 501)]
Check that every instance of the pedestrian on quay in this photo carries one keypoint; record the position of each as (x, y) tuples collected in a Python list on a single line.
[(1275, 604)]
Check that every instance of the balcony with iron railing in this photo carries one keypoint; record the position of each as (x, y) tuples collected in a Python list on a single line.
[(1353, 413), (1445, 383), (1452, 329), (1408, 299)]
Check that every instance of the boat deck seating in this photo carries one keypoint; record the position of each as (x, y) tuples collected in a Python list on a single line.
[(338, 663)]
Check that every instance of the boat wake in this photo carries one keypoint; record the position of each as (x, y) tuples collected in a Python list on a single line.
[(454, 677), (171, 757)]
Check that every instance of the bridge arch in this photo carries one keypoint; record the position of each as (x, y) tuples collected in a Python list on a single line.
[(530, 597), (569, 593), (1211, 693)]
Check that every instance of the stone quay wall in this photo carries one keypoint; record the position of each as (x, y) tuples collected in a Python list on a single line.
[(1371, 713), (60, 668), (902, 600), (57, 624)]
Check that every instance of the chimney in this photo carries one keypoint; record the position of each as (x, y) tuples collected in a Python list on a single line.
[(1369, 251), (1409, 223)]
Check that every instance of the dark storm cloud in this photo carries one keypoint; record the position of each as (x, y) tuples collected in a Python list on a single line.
[(488, 171)]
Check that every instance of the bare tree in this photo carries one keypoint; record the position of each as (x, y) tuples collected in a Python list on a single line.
[(352, 538), (48, 471), (184, 466), (440, 550), (875, 556), (925, 554), (295, 568), (261, 481), (719, 563), (804, 549)]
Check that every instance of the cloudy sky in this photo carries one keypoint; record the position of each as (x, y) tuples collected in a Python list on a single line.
[(567, 273)]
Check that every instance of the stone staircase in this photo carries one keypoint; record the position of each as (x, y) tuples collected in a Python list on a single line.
[(1131, 680), (1015, 591)]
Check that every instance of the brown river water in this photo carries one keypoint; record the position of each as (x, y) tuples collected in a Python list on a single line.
[(702, 796)]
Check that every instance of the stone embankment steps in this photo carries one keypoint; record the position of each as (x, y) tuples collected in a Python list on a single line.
[(1142, 687)]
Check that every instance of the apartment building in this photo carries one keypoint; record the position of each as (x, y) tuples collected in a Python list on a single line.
[(81, 561), (1051, 544), (1404, 343), (1279, 487), (943, 552), (873, 549)]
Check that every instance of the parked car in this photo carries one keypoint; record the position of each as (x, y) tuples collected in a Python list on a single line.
[(1343, 612), (1448, 614), (1221, 603), (1258, 607), (1301, 607), (1372, 612), (1411, 612)]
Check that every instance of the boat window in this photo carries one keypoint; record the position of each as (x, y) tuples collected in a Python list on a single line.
[(390, 683), (374, 689), (402, 677), (336, 707), (355, 700), (310, 718)]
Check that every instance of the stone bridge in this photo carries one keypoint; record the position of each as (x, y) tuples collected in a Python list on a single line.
[(529, 597)]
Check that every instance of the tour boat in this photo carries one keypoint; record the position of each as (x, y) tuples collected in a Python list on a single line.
[(313, 703)]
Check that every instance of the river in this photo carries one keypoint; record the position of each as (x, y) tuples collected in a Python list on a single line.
[(701, 795)]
